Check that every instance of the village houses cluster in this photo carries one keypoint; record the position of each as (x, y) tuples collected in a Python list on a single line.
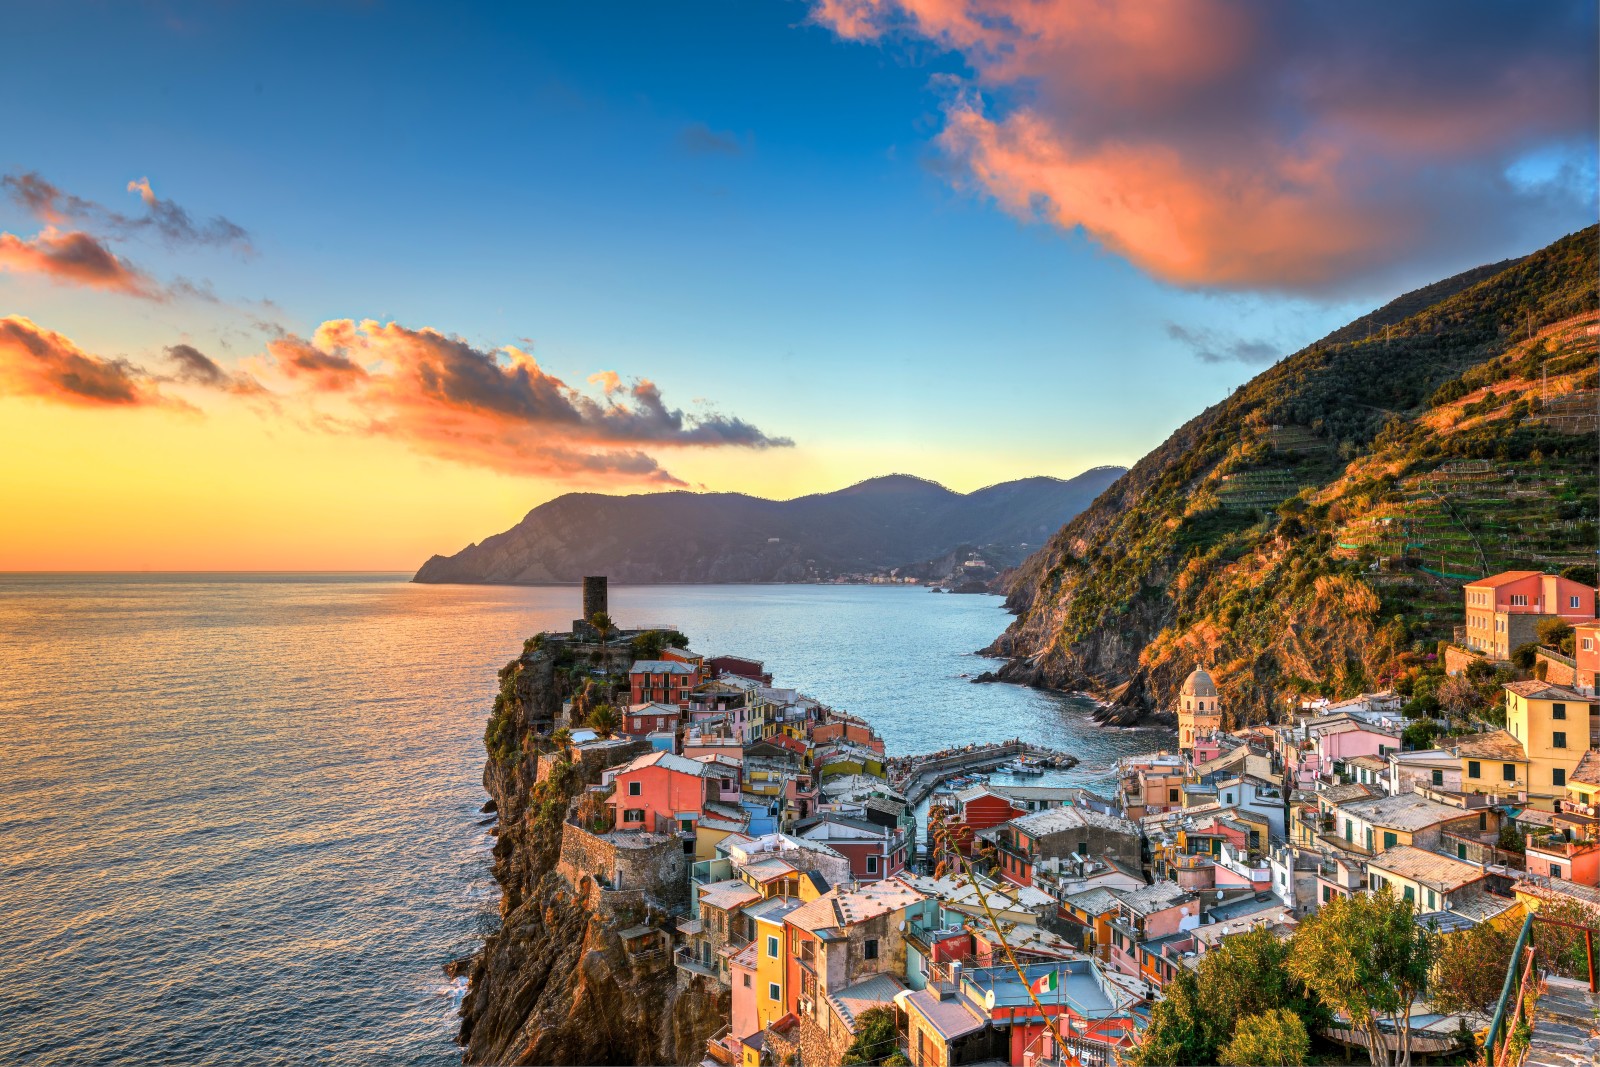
[(785, 845)]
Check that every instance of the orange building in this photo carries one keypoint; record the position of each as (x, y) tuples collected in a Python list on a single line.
[(1504, 609)]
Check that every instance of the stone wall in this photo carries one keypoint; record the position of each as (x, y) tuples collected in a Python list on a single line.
[(1458, 659), (1558, 669), (651, 864)]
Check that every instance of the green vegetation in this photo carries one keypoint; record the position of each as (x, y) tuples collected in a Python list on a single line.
[(1307, 535), (604, 720), (1365, 955), (1275, 1038), (875, 1040), (1245, 977), (650, 644)]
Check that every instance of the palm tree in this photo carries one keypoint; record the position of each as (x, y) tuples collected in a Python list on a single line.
[(605, 628), (604, 720), (561, 738)]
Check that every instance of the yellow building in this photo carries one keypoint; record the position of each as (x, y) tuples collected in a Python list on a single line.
[(772, 962), (1492, 762), (1583, 784), (1552, 724), (1199, 710), (1431, 882)]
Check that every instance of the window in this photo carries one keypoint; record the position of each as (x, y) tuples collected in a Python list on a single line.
[(1389, 840), (772, 946), (872, 865), (1555, 870), (1327, 894), (1474, 769), (1410, 895), (1558, 776), (1558, 739), (1172, 796), (1572, 602), (773, 992), (1461, 850), (1519, 600), (869, 948), (1438, 778), (1508, 771), (686, 825), (747, 981), (1558, 711), (633, 815), (1588, 644), (1376, 882)]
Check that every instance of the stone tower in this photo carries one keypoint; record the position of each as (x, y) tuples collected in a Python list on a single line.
[(1199, 710), (594, 596)]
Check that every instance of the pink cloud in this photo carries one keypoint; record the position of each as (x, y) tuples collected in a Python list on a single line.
[(74, 258), (1260, 145), (42, 363)]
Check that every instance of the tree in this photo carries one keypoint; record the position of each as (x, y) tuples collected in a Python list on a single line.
[(561, 738), (1179, 1031), (1459, 697), (1275, 1038), (1420, 734), (1365, 955), (1560, 948), (605, 628), (1510, 839), (604, 720), (1470, 969), (1552, 633), (875, 1040)]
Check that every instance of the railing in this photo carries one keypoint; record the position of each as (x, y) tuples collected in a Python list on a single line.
[(1497, 1045), (685, 959)]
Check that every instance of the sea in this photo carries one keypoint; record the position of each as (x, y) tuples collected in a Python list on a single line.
[(239, 813)]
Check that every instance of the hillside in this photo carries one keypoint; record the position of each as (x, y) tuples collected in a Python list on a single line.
[(883, 523), (1309, 534)]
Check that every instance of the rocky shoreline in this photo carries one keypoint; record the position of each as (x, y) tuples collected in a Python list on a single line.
[(555, 983)]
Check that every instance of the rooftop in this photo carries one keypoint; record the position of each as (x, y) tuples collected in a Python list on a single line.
[(1072, 817), (1430, 869), (1537, 690), (949, 1018), (727, 895), (666, 761), (1587, 772), (1152, 898), (661, 666), (1403, 811), (1494, 744), (875, 992)]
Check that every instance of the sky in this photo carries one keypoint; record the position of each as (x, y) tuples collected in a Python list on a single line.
[(343, 285)]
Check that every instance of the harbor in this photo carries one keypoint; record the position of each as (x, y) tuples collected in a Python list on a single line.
[(918, 777)]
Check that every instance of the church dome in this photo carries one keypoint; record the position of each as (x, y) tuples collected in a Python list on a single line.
[(1199, 684)]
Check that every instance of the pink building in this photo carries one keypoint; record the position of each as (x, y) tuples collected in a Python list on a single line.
[(743, 1019), (1334, 739), (660, 792), (1586, 655), (1556, 857), (874, 851), (1503, 610), (1148, 913)]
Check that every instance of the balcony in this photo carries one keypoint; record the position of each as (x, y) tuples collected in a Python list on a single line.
[(685, 960)]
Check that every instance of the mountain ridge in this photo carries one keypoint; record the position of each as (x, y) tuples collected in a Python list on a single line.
[(1289, 537), (873, 526)]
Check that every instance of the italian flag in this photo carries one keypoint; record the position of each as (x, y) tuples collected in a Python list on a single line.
[(1045, 983)]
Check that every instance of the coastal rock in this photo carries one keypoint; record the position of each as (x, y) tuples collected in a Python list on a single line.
[(554, 984)]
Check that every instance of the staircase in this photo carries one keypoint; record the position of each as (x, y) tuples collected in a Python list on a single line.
[(1566, 1031)]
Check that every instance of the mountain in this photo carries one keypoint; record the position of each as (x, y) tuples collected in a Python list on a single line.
[(879, 524), (1310, 533)]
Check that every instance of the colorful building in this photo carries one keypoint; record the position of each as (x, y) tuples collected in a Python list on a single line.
[(1199, 710), (1504, 610), (661, 682), (1555, 727)]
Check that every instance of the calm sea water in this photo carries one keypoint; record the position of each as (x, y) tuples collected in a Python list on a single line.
[(239, 814)]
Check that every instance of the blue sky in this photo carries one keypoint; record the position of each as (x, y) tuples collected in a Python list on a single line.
[(730, 199)]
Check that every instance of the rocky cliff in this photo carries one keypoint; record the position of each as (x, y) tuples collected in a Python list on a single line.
[(1307, 535), (872, 527), (555, 983)]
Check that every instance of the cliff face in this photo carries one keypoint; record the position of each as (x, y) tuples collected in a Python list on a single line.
[(555, 984), (882, 523), (1302, 536)]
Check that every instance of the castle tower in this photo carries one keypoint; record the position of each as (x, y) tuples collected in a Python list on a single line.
[(1199, 710), (594, 596)]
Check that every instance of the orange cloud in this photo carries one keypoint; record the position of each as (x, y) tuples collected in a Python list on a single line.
[(75, 258), (495, 408), (42, 363), (1262, 145)]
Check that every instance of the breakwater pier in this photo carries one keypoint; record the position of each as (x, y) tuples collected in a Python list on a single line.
[(916, 777)]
